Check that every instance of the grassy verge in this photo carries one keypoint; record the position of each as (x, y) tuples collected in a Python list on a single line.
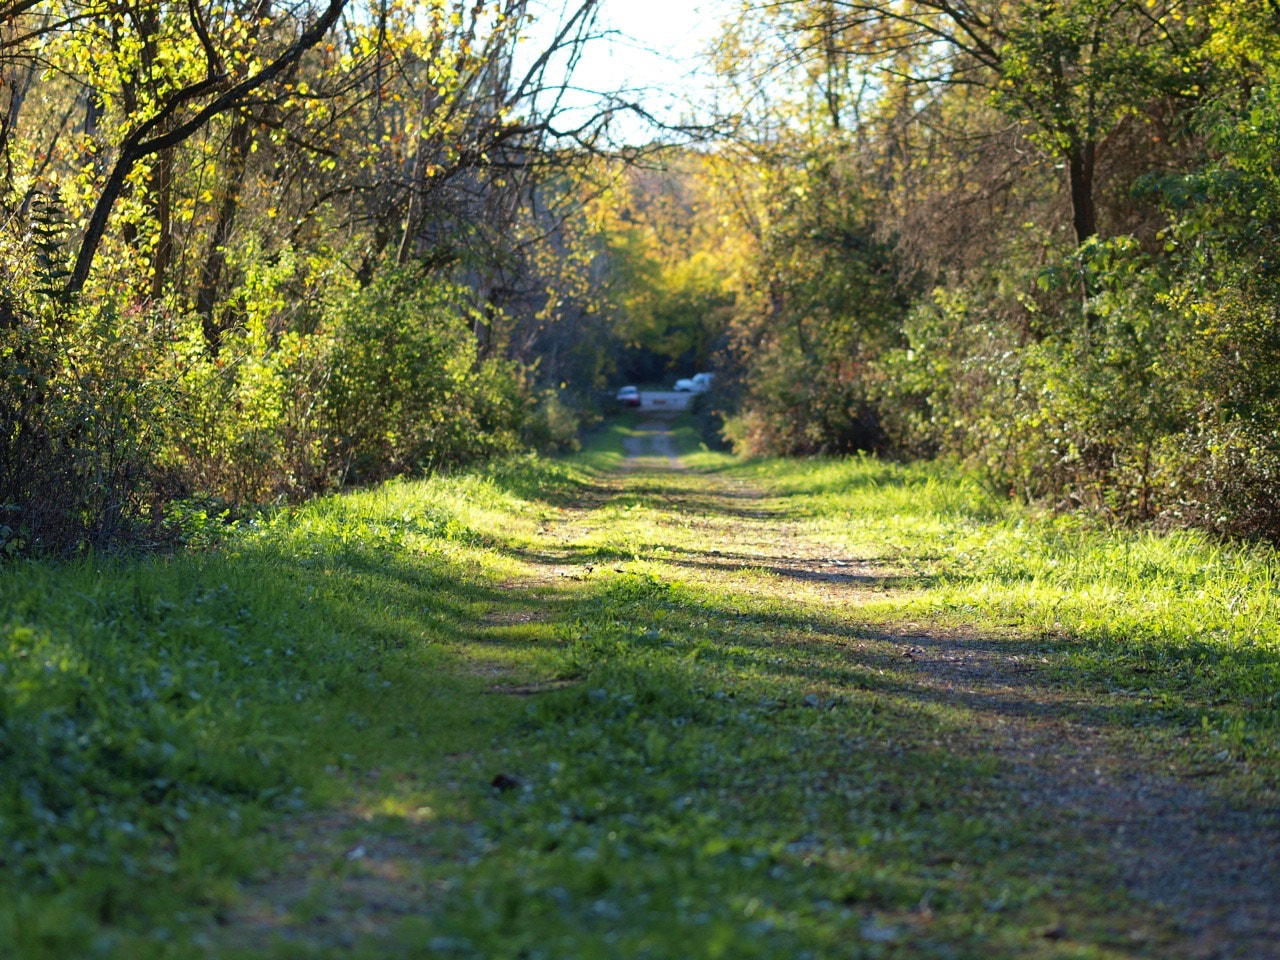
[(155, 713), (1180, 631), (554, 710)]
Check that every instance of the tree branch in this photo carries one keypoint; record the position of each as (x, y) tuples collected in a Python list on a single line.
[(137, 145)]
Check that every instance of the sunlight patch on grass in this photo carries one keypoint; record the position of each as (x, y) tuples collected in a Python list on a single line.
[(557, 708), (1176, 621), (156, 709)]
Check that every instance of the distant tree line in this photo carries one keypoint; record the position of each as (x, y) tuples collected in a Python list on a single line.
[(1036, 235)]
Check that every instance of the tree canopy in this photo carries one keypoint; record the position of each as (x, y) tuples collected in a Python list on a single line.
[(254, 250)]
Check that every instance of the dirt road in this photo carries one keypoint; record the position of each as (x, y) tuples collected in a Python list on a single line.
[(701, 571)]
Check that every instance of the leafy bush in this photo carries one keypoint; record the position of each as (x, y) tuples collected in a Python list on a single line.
[(553, 425), (1155, 400), (406, 390), (81, 413), (828, 300), (1097, 401), (246, 423), (107, 414), (952, 388), (1222, 239)]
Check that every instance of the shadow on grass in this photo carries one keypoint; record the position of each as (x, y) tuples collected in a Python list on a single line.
[(625, 749), (1250, 666), (717, 752)]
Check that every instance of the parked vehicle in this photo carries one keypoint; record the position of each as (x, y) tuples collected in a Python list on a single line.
[(698, 383), (629, 396)]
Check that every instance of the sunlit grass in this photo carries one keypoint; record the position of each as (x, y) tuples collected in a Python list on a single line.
[(1177, 620), (154, 710), (572, 709)]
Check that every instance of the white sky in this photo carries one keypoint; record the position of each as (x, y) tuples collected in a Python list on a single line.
[(656, 49)]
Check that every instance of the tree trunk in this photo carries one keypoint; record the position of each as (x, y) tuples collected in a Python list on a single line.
[(1084, 221), (1080, 162), (216, 259), (162, 194), (18, 89)]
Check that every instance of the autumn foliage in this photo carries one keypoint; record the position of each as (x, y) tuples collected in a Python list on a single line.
[(249, 251), (1037, 236)]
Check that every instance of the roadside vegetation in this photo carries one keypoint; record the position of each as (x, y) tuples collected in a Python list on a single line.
[(560, 708), (254, 252), (1035, 236), (305, 652)]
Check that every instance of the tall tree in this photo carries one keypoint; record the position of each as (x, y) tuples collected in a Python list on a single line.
[(1073, 70)]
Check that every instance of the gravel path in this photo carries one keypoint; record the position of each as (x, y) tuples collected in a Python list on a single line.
[(1210, 862), (651, 446)]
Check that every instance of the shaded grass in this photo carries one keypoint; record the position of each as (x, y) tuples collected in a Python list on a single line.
[(669, 753), (709, 790), (155, 711)]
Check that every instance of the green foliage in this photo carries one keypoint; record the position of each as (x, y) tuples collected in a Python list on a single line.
[(826, 298), (80, 425), (1222, 301), (553, 425), (406, 389), (246, 425), (1076, 69), (948, 389), (47, 230), (108, 416)]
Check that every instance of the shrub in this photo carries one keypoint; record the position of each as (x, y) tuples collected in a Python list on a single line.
[(107, 414), (247, 424), (406, 390), (81, 417), (553, 425)]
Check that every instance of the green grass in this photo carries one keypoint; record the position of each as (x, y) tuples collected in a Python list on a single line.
[(1183, 627), (156, 711), (562, 727)]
